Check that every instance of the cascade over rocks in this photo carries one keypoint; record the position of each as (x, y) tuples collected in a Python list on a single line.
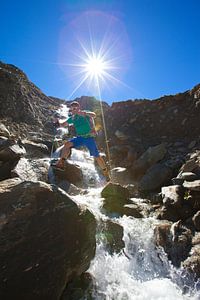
[(153, 144), (39, 251)]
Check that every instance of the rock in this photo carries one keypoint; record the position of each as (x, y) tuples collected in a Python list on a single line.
[(120, 135), (70, 188), (196, 220), (192, 266), (177, 181), (115, 197), (115, 190), (112, 235), (133, 210), (72, 174), (45, 240), (172, 195), (4, 131), (148, 159), (191, 145), (155, 177), (24, 170), (120, 175), (189, 166), (35, 150), (192, 186), (175, 239), (189, 176), (168, 213), (5, 170), (80, 288), (13, 152)]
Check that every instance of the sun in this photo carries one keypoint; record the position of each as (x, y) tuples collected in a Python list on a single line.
[(95, 66)]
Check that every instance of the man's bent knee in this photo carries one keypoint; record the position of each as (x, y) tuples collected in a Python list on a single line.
[(68, 145)]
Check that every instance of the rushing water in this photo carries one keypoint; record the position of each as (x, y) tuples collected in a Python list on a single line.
[(139, 272)]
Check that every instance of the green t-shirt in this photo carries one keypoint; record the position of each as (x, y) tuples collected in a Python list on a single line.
[(82, 125)]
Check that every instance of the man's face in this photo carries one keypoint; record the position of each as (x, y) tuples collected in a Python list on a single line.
[(74, 109)]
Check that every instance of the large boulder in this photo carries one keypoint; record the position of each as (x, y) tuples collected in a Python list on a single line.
[(147, 160), (155, 177), (72, 174), (120, 175), (13, 152), (45, 240), (35, 150), (115, 197)]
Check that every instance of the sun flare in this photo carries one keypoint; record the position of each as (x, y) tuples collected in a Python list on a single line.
[(95, 67)]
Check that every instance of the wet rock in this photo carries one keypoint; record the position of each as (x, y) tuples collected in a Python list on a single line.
[(115, 190), (45, 241), (172, 195), (112, 235), (192, 263), (133, 210), (176, 241)]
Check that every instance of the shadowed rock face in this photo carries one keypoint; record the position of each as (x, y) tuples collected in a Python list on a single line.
[(166, 119), (46, 240), (21, 102)]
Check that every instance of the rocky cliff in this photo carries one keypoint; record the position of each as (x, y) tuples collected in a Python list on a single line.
[(22, 103)]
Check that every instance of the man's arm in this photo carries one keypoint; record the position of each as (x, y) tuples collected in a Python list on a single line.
[(87, 113), (63, 124)]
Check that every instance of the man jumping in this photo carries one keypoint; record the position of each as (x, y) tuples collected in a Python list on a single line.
[(85, 133)]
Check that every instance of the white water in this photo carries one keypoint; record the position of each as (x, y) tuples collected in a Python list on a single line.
[(140, 272)]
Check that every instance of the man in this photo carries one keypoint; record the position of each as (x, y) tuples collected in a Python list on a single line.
[(83, 124)]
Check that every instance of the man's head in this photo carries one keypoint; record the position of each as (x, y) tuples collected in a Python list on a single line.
[(74, 107)]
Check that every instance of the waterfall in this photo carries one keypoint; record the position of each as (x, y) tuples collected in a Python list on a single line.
[(140, 271)]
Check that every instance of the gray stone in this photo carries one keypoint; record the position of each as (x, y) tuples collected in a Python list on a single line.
[(196, 220), (4, 131), (148, 159), (189, 176), (155, 177), (192, 186), (46, 240)]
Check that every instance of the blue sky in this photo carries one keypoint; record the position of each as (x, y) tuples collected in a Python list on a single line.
[(154, 45)]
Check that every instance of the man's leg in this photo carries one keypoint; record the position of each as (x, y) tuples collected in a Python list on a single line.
[(65, 153), (91, 145), (100, 161)]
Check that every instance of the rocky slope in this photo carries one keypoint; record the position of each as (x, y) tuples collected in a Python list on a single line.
[(23, 106), (155, 156)]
